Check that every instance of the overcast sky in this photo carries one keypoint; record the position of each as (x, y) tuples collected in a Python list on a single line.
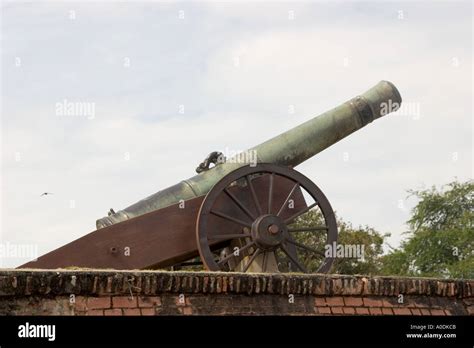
[(171, 82)]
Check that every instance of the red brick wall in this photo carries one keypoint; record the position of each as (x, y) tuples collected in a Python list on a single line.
[(179, 293)]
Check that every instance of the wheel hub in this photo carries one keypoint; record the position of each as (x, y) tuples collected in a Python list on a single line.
[(268, 231)]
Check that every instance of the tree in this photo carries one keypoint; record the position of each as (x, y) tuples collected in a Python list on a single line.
[(362, 236), (441, 237), (372, 241)]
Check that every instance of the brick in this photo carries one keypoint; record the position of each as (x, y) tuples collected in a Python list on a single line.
[(410, 302), (353, 301), (437, 312), (362, 311), (337, 310), (436, 302), (98, 302), (323, 310), (95, 312), (402, 311), (375, 311), (147, 311), (425, 311), (422, 302), (387, 303), (320, 302), (334, 301), (372, 302), (114, 311), (80, 303), (387, 311), (131, 311), (348, 310), (415, 311), (337, 286), (53, 306), (124, 302), (148, 301), (470, 310), (187, 311)]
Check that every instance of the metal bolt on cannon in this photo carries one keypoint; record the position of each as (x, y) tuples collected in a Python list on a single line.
[(237, 217)]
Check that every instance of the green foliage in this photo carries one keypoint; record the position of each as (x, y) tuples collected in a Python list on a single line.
[(441, 236), (311, 261), (373, 249), (371, 240)]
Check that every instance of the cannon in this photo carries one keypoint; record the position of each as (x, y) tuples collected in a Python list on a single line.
[(250, 213)]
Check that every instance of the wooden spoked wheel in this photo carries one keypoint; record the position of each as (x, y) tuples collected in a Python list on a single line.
[(266, 214)]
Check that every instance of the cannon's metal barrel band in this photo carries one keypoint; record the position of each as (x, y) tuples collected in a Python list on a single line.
[(365, 112)]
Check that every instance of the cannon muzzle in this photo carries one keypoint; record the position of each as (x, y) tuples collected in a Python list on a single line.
[(289, 149)]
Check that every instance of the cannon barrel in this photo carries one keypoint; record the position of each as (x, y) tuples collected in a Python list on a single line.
[(289, 148)]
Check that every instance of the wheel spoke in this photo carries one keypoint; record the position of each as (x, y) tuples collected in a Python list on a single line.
[(229, 236), (270, 193), (240, 205), (264, 266), (308, 229), (228, 257), (254, 195), (304, 247), (288, 198), (294, 216), (256, 253), (295, 262), (230, 218)]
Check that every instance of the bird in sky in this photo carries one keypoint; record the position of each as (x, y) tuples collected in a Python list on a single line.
[(46, 193)]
